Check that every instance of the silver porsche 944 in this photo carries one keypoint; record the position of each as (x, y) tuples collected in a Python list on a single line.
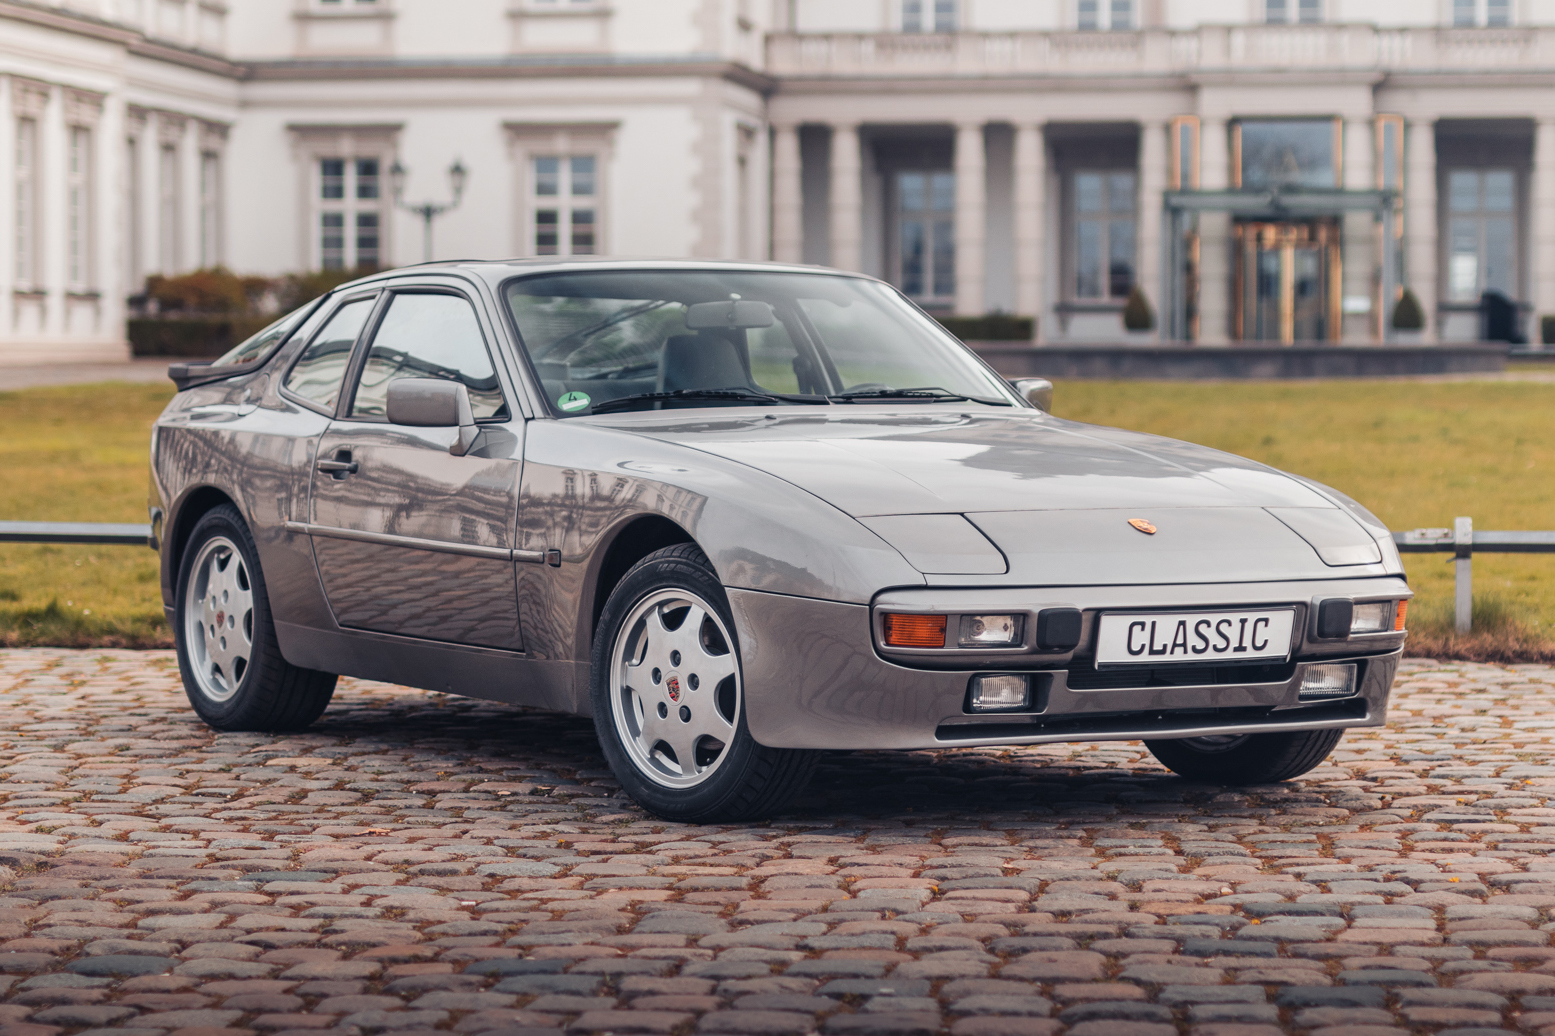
[(742, 514)]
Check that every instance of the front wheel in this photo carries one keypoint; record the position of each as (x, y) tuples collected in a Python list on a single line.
[(228, 656), (1246, 758), (669, 699)]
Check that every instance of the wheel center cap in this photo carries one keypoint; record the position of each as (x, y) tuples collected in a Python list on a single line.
[(673, 685)]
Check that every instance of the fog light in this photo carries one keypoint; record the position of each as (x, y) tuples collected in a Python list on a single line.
[(1372, 617), (1000, 693), (1327, 681), (914, 631), (990, 630)]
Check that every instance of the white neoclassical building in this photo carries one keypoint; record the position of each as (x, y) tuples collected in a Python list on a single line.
[(1262, 170)]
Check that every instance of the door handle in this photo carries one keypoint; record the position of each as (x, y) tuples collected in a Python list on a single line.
[(341, 466)]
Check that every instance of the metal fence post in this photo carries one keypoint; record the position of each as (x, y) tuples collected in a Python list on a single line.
[(1463, 597)]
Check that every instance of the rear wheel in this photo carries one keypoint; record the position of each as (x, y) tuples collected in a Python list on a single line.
[(1246, 758), (669, 701), (231, 665)]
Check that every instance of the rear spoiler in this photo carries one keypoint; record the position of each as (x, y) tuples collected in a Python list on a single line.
[(188, 375)]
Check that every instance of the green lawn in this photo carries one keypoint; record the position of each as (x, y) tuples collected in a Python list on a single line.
[(78, 453), (1416, 453)]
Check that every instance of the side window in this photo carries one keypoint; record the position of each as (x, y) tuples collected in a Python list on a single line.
[(429, 336), (318, 372)]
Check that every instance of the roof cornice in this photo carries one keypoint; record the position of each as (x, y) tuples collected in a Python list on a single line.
[(133, 40), (523, 66)]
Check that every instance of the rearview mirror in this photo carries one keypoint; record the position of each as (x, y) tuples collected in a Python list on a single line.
[(1036, 391), (434, 403), (710, 316)]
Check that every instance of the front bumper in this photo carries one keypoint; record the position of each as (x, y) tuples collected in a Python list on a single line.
[(814, 679)]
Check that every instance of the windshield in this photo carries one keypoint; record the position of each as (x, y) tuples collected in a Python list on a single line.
[(622, 340), (259, 346)]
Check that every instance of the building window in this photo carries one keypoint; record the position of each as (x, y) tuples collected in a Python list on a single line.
[(1281, 12), (565, 205), (350, 214), (1286, 153), (1183, 174), (1492, 13), (1114, 15), (1103, 221), (78, 209), (928, 15), (26, 202), (926, 236), (210, 208), (167, 208), (1481, 233)]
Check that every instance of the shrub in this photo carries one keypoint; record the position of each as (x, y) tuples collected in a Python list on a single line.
[(296, 289), (994, 327), (213, 290), (1408, 315), (1137, 314)]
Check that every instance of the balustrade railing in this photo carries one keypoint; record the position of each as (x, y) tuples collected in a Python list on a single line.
[(1209, 47)]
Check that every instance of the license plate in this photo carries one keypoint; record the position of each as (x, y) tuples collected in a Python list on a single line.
[(1167, 637)]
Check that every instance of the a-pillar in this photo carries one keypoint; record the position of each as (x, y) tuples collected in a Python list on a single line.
[(787, 195), (1420, 272), (1214, 237), (1152, 185), (971, 218), (847, 202), (1543, 224), (1030, 210), (1361, 234)]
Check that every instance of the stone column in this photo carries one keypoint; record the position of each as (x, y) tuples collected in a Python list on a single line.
[(787, 195), (971, 209), (1030, 210), (1420, 220), (847, 203), (1215, 282), (1152, 184), (1543, 280), (1361, 233)]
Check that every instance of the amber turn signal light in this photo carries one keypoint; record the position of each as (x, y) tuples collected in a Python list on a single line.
[(914, 631), (1398, 619)]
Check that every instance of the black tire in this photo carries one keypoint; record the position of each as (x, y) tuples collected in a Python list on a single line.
[(263, 692), (745, 780), (1251, 759)]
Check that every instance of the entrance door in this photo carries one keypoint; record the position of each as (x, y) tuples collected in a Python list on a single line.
[(1287, 281)]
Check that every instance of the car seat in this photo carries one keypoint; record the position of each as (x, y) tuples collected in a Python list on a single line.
[(701, 361)]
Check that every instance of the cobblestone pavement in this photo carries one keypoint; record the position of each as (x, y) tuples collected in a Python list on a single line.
[(417, 862)]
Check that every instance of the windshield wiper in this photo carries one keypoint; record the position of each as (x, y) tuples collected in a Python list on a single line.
[(743, 395), (931, 394)]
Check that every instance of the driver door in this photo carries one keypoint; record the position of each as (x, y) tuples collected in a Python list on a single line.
[(411, 540)]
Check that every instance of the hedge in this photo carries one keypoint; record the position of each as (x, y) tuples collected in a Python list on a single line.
[(995, 327), (200, 338)]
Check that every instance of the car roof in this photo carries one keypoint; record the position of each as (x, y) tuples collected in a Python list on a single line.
[(496, 270)]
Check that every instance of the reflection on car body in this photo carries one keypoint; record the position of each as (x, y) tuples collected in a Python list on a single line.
[(741, 514)]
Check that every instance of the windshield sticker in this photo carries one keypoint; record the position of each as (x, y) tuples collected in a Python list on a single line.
[(571, 401)]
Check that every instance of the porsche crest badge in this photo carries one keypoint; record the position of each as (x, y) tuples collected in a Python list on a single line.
[(1144, 525), (674, 689)]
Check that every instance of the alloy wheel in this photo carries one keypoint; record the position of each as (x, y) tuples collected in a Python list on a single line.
[(219, 618), (675, 688)]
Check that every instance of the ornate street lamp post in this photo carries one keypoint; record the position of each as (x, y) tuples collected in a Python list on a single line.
[(457, 175)]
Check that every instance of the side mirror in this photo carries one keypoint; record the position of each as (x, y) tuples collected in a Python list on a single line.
[(1036, 391), (434, 403)]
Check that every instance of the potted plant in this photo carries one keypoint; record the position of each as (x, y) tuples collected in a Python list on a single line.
[(1138, 317), (1408, 319)]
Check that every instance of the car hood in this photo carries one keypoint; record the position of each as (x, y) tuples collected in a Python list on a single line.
[(1052, 497)]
